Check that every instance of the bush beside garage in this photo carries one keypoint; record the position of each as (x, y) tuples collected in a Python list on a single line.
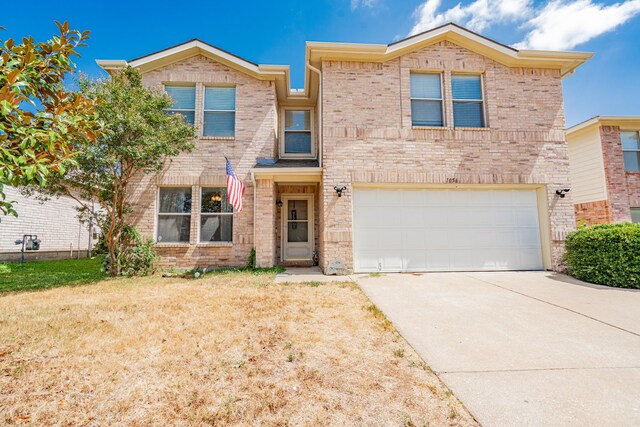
[(605, 254)]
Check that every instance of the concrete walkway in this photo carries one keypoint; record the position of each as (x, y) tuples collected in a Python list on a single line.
[(307, 274), (522, 348)]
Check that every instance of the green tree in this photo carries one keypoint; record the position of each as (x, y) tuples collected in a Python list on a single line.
[(137, 139), (39, 118)]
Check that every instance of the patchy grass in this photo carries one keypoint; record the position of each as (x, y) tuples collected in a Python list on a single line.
[(49, 274), (224, 349)]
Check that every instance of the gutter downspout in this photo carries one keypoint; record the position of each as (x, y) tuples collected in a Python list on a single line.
[(255, 192), (320, 122)]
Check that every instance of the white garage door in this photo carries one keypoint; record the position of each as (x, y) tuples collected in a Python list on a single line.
[(444, 230)]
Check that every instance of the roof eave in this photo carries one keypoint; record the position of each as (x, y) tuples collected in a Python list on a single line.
[(621, 121), (110, 65), (566, 62)]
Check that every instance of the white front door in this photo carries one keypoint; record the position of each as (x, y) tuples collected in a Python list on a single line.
[(298, 228)]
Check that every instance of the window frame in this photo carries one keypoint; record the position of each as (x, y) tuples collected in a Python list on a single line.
[(313, 152), (482, 101), (441, 99), (159, 214), (195, 101), (204, 110), (637, 132), (208, 214), (632, 209)]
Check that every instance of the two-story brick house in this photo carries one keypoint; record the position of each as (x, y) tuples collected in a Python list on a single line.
[(443, 151), (604, 159)]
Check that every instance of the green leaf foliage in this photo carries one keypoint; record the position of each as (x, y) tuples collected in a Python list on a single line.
[(40, 120), (138, 137), (139, 259), (606, 254)]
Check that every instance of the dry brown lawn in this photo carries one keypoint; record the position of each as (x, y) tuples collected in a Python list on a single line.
[(223, 349)]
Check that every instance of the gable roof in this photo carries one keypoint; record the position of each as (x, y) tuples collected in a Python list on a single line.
[(565, 61), (179, 52), (316, 52), (631, 122)]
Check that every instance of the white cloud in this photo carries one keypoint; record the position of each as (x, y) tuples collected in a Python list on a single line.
[(566, 24), (555, 24), (369, 4), (477, 15)]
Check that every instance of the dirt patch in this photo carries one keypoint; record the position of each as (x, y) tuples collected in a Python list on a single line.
[(225, 349)]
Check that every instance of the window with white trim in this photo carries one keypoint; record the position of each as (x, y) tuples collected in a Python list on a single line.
[(297, 132), (174, 215), (185, 101), (216, 216), (468, 105), (219, 111), (631, 150), (635, 215), (426, 99)]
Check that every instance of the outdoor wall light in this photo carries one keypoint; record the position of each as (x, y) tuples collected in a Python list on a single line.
[(339, 190), (279, 203), (563, 192)]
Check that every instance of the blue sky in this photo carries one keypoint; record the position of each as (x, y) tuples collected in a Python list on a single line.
[(275, 33)]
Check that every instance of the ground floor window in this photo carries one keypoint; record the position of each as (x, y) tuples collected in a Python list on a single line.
[(216, 216), (174, 215), (635, 215)]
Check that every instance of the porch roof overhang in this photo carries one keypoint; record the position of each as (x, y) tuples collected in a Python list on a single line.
[(288, 174)]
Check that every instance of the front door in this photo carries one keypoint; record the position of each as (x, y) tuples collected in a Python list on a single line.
[(298, 228)]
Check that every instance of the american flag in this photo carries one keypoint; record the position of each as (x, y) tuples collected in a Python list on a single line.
[(235, 188)]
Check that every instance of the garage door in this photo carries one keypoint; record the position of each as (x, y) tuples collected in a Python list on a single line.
[(445, 230)]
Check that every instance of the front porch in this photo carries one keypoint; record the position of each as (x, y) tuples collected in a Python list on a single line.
[(287, 216)]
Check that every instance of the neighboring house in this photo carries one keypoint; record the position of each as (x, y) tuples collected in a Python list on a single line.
[(449, 146), (604, 157), (54, 221)]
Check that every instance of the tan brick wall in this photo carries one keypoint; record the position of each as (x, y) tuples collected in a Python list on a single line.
[(368, 137), (54, 221), (615, 176), (593, 213), (255, 137), (265, 223)]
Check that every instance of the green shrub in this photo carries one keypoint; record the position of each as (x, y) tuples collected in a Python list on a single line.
[(251, 260), (136, 256), (606, 254)]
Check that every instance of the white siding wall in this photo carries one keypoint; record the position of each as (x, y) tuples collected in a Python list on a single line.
[(55, 222), (586, 165)]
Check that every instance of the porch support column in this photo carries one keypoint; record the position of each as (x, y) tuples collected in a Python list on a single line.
[(265, 222)]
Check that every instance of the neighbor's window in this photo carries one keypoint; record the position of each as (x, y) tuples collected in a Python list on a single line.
[(185, 101), (631, 150), (174, 215), (635, 215), (426, 99), (297, 132), (468, 109), (216, 216), (219, 111)]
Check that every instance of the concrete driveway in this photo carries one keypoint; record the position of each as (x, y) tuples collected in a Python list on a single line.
[(522, 348)]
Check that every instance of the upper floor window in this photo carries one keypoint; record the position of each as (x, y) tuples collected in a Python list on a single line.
[(631, 150), (174, 214), (185, 101), (426, 99), (468, 108), (219, 111), (216, 216), (297, 132)]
